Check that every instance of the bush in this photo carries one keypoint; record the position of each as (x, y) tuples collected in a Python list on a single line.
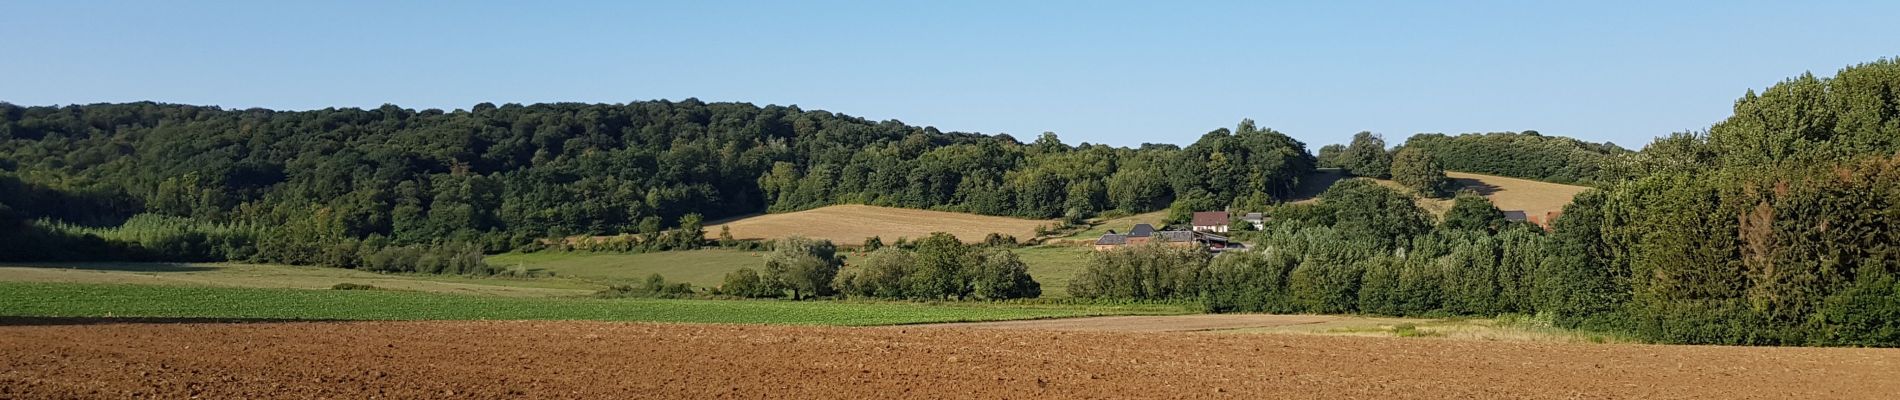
[(938, 267), (1145, 272), (351, 286), (999, 275), (1417, 170), (746, 282), (803, 266)]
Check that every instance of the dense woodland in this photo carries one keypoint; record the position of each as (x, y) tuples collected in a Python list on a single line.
[(1777, 226), (330, 187)]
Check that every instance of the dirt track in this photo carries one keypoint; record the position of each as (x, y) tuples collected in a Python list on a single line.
[(66, 359)]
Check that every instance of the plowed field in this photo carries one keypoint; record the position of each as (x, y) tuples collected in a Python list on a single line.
[(105, 359)]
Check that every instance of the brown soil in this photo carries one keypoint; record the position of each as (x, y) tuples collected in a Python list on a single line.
[(94, 359), (1159, 323)]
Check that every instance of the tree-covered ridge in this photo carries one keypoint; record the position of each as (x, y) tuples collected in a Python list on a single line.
[(503, 176), (1527, 155), (1763, 235), (1807, 120)]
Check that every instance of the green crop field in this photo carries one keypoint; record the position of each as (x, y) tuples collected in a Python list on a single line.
[(286, 277), (25, 299), (1053, 266), (1050, 265)]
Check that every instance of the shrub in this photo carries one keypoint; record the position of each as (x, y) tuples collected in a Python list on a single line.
[(804, 266), (351, 286), (999, 274), (1417, 170), (746, 282), (1145, 272)]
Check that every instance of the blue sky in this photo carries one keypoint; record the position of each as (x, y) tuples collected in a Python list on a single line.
[(1101, 72)]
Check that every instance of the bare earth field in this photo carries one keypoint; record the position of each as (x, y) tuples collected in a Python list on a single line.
[(516, 359), (1168, 323), (850, 224)]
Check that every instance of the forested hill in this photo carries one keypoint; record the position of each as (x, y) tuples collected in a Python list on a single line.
[(502, 176), (1527, 155)]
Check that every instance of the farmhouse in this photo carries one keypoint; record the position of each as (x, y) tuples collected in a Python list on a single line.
[(1145, 233), (1210, 221), (1258, 220)]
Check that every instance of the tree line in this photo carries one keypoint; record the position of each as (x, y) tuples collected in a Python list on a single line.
[(1773, 227), (315, 184), (937, 267)]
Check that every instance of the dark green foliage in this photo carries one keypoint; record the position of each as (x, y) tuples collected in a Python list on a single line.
[(941, 259), (999, 240), (1146, 272), (1527, 155), (318, 184), (1249, 282), (654, 286), (1365, 211), (746, 282), (881, 274), (1331, 156), (1227, 165), (1300, 214), (1417, 170), (1366, 156), (1577, 284), (939, 267), (803, 266), (1777, 228), (1809, 120), (999, 274), (1470, 211), (1184, 207), (439, 259), (351, 286)]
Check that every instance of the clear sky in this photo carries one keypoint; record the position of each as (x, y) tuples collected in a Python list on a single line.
[(1102, 72)]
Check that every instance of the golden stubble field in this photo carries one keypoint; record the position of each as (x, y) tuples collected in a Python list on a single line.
[(852, 223), (1519, 194), (1509, 194)]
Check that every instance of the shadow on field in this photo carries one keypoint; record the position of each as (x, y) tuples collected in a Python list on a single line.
[(125, 266), (67, 321), (1483, 189)]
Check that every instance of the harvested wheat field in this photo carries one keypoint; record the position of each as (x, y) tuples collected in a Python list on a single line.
[(520, 359), (1532, 197), (850, 224)]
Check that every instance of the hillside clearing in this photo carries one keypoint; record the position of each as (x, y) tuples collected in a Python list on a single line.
[(850, 224)]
